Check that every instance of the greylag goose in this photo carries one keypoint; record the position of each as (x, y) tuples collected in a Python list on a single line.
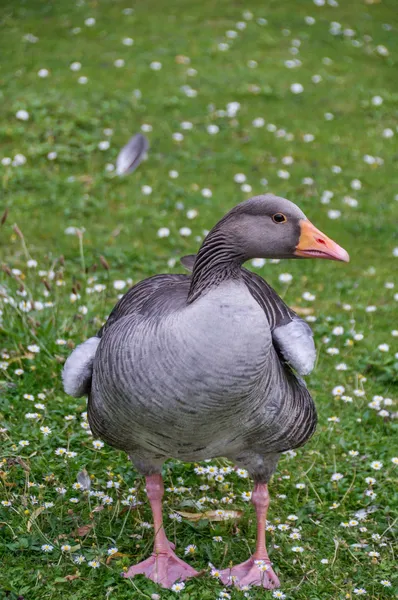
[(203, 366)]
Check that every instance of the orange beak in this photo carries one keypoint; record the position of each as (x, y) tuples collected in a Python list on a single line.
[(315, 244)]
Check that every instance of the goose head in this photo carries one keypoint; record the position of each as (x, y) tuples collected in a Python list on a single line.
[(268, 226)]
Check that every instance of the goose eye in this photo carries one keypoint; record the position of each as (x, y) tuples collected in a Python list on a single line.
[(279, 218)]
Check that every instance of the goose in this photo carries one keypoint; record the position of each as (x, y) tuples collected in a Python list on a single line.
[(208, 365)]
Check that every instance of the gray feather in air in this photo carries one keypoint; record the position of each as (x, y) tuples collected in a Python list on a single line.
[(131, 154)]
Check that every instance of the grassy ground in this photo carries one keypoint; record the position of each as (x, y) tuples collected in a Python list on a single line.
[(349, 106)]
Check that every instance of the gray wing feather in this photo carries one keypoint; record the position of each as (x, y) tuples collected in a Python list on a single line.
[(169, 291), (131, 154)]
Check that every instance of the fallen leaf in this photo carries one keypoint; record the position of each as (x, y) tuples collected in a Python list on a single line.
[(33, 516), (115, 555), (67, 578), (22, 464), (82, 531), (95, 510), (71, 577), (211, 515)]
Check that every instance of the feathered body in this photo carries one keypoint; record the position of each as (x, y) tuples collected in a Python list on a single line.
[(203, 379), (202, 366)]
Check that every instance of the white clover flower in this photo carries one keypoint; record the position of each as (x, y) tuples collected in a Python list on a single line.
[(384, 347), (94, 564), (376, 465), (119, 284), (296, 88), (377, 101), (338, 330), (163, 232), (338, 390), (285, 277), (34, 348), (258, 262), (213, 129), (155, 65), (333, 351), (341, 367), (258, 122), (22, 115), (190, 549), (283, 174), (186, 125), (79, 559), (185, 231), (382, 50), (98, 444)]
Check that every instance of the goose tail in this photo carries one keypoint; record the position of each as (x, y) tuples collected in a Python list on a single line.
[(78, 369)]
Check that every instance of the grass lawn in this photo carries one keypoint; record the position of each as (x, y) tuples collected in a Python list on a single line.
[(236, 98)]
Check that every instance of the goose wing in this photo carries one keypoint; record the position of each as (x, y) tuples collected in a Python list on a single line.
[(158, 294)]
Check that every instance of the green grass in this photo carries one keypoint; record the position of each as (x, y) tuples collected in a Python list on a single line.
[(44, 197)]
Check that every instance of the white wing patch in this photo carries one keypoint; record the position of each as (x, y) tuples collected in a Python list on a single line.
[(78, 369), (296, 343)]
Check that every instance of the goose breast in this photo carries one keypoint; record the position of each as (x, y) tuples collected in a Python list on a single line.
[(174, 383)]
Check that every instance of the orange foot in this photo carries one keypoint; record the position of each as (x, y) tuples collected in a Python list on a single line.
[(251, 572), (164, 568)]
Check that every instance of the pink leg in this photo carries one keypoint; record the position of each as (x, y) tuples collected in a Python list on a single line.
[(257, 569), (163, 566)]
